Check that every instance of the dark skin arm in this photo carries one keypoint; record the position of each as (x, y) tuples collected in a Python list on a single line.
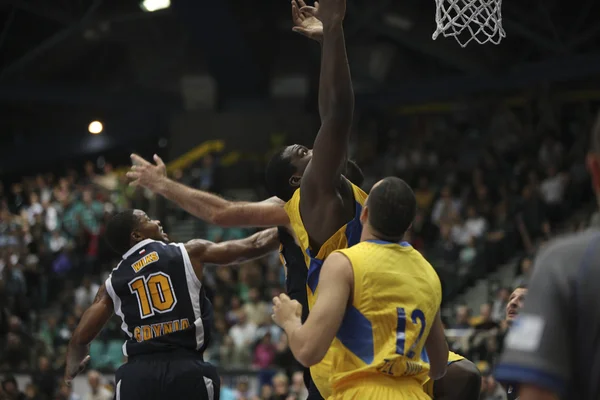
[(232, 251), (322, 182), (437, 349), (204, 205), (91, 323)]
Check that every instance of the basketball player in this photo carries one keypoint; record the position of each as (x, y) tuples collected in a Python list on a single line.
[(377, 308), (156, 291), (552, 349)]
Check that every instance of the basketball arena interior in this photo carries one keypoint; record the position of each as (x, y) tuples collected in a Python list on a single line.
[(492, 139)]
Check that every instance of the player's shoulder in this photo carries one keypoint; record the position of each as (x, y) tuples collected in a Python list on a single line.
[(570, 249)]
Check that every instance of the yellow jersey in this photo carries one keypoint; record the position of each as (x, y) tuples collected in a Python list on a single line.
[(348, 235), (452, 358), (396, 297)]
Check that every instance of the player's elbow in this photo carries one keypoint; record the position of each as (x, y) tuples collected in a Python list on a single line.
[(437, 370), (309, 356)]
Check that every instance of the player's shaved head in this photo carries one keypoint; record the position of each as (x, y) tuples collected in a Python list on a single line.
[(391, 208), (119, 228)]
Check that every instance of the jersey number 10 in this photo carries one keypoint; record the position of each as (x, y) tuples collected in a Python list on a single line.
[(154, 294), (417, 317)]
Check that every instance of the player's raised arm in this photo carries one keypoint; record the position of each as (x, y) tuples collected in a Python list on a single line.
[(310, 342), (206, 206), (336, 103), (437, 349), (231, 251), (91, 323)]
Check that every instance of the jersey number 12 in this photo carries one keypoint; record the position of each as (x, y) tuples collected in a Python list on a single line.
[(154, 294), (417, 317)]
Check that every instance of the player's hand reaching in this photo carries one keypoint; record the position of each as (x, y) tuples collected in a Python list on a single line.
[(73, 370), (286, 310), (329, 12), (145, 174), (304, 23)]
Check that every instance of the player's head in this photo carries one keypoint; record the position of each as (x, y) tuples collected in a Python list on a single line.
[(515, 303), (285, 170), (126, 228), (286, 167), (593, 159), (390, 209)]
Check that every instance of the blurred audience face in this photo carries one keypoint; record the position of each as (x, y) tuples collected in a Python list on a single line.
[(503, 294), (266, 391), (485, 311), (280, 384), (43, 364), (515, 303), (94, 380), (253, 295)]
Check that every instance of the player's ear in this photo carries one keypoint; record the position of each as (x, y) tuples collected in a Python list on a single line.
[(295, 180), (364, 215), (136, 236), (593, 166)]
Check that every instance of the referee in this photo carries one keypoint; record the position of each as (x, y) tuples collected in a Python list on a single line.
[(552, 349)]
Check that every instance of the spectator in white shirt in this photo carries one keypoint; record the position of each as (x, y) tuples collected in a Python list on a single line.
[(97, 391), (243, 335), (475, 225), (553, 187), (84, 294), (34, 208)]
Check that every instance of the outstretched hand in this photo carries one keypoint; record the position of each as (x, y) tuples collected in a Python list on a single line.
[(329, 12), (72, 371), (286, 310), (306, 24), (145, 174)]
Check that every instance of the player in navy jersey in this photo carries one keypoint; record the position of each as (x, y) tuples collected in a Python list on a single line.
[(156, 290)]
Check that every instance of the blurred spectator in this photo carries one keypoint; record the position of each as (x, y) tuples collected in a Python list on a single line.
[(243, 334), (85, 294), (97, 390), (65, 392), (523, 273), (280, 387), (463, 317), (227, 393), (264, 353), (499, 304), (44, 378), (32, 393), (492, 390), (11, 388), (255, 308)]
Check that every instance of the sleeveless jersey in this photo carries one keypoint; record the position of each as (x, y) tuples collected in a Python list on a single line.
[(347, 235), (161, 302), (396, 297), (296, 272)]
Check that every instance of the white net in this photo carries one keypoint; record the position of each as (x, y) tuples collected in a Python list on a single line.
[(467, 20)]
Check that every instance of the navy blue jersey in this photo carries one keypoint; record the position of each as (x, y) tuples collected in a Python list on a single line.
[(160, 300), (296, 271)]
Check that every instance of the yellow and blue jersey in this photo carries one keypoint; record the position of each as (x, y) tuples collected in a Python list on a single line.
[(348, 235), (380, 343)]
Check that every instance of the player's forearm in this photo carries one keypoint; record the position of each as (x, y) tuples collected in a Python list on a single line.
[(203, 205), (75, 355), (307, 351), (336, 96)]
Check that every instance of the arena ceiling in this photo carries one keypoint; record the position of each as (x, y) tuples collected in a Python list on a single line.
[(61, 58)]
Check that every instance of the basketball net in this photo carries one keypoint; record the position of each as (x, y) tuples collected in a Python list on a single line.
[(467, 20)]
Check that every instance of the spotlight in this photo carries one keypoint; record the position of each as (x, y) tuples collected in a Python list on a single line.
[(95, 127), (155, 5)]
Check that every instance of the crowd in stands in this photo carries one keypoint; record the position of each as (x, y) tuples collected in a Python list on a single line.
[(486, 193)]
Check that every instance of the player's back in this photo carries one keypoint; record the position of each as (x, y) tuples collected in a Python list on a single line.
[(379, 348), (160, 300)]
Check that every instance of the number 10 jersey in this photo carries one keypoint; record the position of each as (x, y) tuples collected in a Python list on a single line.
[(161, 303), (396, 297)]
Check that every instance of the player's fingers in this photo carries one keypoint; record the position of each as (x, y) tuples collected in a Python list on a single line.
[(276, 301), (133, 175), (135, 159), (308, 10), (135, 183), (302, 3), (158, 161), (284, 297), (316, 5), (300, 30)]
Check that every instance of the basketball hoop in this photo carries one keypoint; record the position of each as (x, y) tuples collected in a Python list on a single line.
[(467, 20)]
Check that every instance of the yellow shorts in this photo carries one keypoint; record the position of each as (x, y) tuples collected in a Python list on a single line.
[(380, 389)]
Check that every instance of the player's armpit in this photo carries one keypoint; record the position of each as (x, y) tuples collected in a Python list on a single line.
[(530, 392), (233, 251), (437, 349), (310, 342)]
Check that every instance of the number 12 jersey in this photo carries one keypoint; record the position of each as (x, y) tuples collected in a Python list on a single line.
[(396, 297), (161, 303)]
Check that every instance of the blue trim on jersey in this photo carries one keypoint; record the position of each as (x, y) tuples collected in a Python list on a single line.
[(356, 333), (314, 271), (511, 373), (376, 241), (353, 232)]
